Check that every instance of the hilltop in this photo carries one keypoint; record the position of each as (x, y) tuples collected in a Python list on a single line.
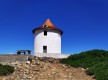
[(44, 69)]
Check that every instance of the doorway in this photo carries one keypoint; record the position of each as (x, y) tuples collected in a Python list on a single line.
[(44, 49)]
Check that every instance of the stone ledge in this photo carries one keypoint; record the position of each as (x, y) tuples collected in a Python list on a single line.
[(53, 55)]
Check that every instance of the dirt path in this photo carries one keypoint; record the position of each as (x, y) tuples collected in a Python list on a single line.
[(62, 72)]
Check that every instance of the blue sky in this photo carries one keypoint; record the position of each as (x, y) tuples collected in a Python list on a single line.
[(84, 23)]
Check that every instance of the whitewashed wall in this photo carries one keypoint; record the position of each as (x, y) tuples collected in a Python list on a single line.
[(52, 41)]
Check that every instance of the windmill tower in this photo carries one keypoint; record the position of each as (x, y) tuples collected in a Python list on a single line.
[(47, 39)]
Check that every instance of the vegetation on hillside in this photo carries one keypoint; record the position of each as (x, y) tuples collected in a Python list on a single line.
[(6, 70), (95, 61)]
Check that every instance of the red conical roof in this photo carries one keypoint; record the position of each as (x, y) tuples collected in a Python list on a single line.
[(47, 25)]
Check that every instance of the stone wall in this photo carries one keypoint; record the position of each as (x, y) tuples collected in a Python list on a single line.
[(13, 57)]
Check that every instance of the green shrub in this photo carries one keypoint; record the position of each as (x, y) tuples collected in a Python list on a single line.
[(99, 70), (102, 75), (96, 60), (6, 70)]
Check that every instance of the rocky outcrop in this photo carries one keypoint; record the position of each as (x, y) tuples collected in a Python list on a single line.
[(44, 69)]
